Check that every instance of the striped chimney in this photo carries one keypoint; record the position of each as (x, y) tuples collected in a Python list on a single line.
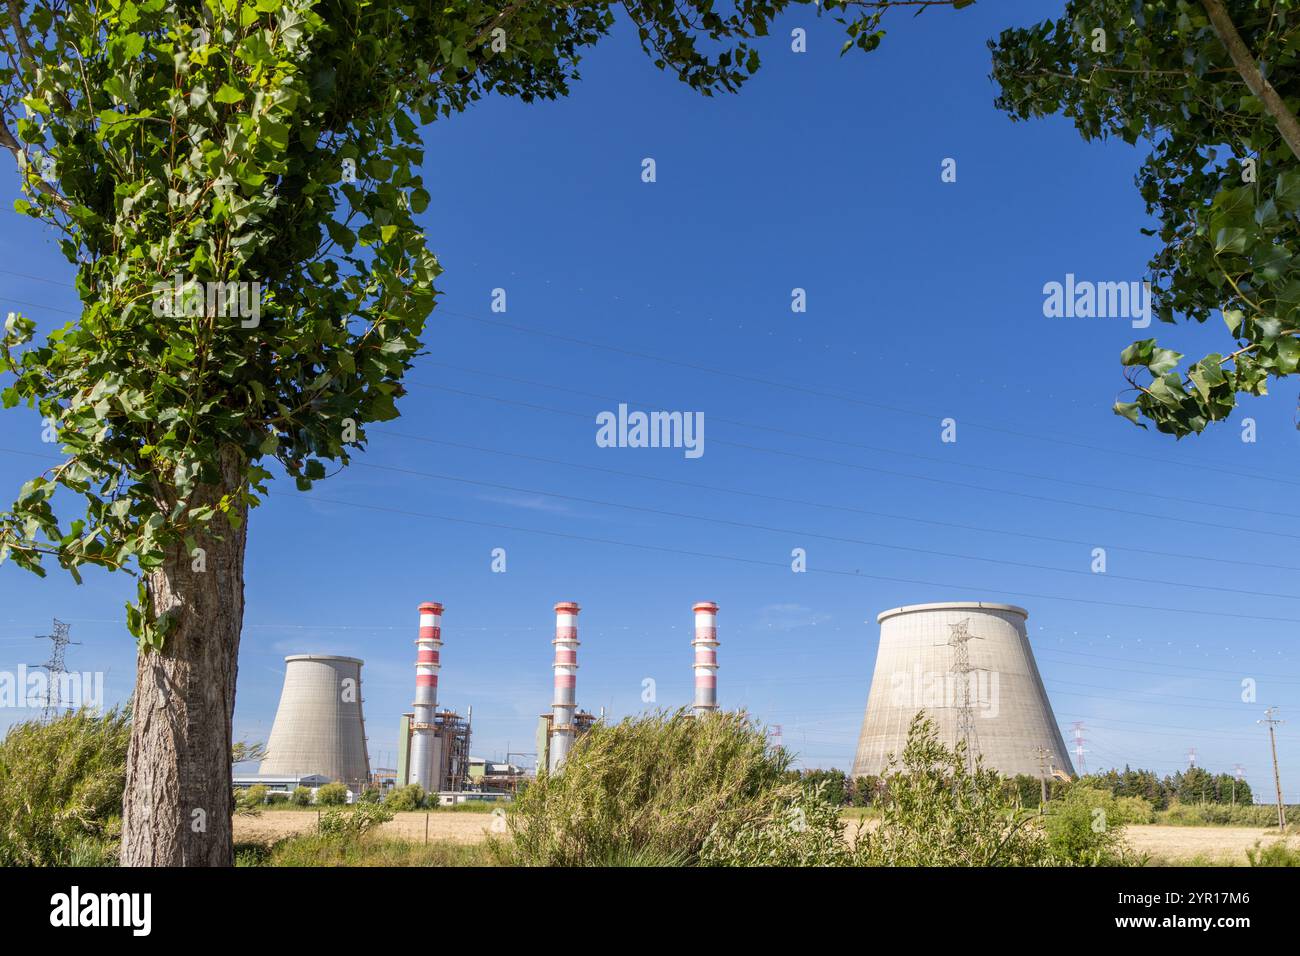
[(428, 646), (566, 680), (706, 657)]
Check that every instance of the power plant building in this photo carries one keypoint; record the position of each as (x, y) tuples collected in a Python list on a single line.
[(319, 729), (969, 666)]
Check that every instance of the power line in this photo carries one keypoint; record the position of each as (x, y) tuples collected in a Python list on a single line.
[(799, 533), (782, 565), (892, 452), (848, 509), (931, 416), (896, 474), (772, 383)]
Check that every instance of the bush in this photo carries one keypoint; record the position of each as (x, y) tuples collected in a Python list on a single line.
[(276, 797), (1134, 810), (301, 797), (410, 797), (936, 812), (254, 796), (61, 789), (332, 795), (651, 789), (1085, 828), (369, 795), (1275, 854), (805, 832), (349, 826)]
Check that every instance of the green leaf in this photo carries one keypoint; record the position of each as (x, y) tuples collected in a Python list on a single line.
[(228, 94)]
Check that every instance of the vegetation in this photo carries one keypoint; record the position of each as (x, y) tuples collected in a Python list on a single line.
[(332, 795), (657, 786), (1192, 79), (314, 850), (1275, 854), (61, 790), (267, 148), (1201, 815), (409, 797), (301, 797), (1085, 827)]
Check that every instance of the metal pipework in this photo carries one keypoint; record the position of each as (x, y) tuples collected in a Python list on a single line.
[(706, 657), (427, 662), (566, 680)]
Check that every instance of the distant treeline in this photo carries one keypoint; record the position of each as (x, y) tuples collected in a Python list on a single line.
[(1192, 787)]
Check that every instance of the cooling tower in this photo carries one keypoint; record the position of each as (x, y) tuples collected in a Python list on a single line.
[(970, 667), (319, 728)]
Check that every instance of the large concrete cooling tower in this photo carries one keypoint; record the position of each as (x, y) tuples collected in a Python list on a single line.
[(319, 728), (969, 666)]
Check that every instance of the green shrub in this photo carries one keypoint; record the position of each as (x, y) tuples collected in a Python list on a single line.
[(410, 797), (350, 825), (935, 812), (369, 795), (1085, 828), (805, 832), (650, 788), (332, 795), (61, 789), (1129, 810), (276, 797), (254, 796), (1275, 854), (301, 796)]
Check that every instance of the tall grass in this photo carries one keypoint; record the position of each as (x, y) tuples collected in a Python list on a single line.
[(649, 790), (61, 789)]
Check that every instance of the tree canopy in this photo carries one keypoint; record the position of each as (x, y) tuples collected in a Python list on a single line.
[(1222, 177)]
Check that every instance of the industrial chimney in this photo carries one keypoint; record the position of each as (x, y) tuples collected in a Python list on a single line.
[(706, 657), (566, 680), (319, 728), (426, 745)]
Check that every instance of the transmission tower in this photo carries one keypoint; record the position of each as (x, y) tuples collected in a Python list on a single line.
[(774, 735), (1238, 771), (1191, 758), (965, 711), (1079, 740), (55, 667)]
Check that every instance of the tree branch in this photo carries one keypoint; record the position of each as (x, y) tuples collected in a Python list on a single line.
[(1242, 59)]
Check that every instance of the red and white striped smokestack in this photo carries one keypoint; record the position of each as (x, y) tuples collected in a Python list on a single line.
[(706, 657), (427, 662), (566, 681)]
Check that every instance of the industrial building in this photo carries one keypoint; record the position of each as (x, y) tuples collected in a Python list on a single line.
[(319, 729), (969, 666)]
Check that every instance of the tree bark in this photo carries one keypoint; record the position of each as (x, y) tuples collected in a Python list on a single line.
[(178, 802), (1244, 61)]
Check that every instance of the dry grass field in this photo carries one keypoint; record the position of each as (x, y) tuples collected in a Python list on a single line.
[(1163, 844), (454, 827), (1208, 845)]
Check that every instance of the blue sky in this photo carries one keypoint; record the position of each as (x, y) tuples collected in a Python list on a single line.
[(924, 302)]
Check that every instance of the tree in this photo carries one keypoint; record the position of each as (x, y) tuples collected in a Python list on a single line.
[(1212, 87), (236, 186)]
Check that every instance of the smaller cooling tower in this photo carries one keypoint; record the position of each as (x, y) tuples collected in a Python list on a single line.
[(969, 666), (319, 728)]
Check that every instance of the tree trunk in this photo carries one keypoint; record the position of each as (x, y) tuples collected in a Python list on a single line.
[(178, 802)]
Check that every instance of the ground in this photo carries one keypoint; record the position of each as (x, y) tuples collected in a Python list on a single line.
[(1164, 844), (443, 825), (1210, 845)]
